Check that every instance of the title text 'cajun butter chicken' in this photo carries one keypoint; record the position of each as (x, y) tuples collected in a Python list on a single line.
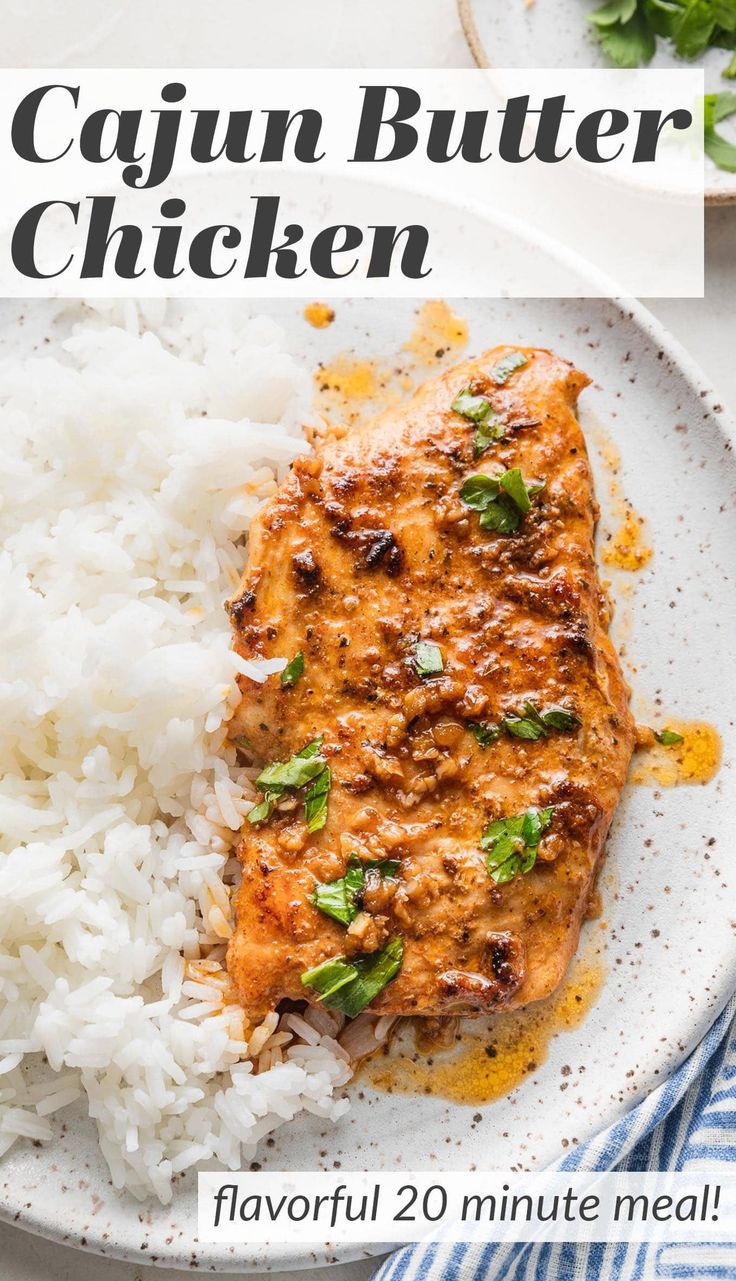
[(442, 756)]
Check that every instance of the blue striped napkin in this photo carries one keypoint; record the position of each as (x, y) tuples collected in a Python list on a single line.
[(688, 1123)]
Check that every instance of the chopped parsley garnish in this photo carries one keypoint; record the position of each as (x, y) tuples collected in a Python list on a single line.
[(349, 986), (628, 29), (492, 426), (485, 734), (315, 800), (264, 809), (428, 659), (307, 766), (717, 107), (668, 737), (293, 670), (477, 409), (511, 844), (532, 724), (341, 899), (488, 435), (501, 500), (505, 367)]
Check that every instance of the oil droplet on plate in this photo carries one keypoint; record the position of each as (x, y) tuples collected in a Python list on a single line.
[(351, 390), (626, 548), (319, 315), (695, 760), (438, 331), (487, 1064)]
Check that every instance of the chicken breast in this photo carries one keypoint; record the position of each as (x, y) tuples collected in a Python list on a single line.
[(461, 687)]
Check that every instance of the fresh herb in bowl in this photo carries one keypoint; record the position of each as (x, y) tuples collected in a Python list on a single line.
[(717, 107), (628, 29)]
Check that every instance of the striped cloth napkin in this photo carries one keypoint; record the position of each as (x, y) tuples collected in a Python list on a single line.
[(688, 1123)]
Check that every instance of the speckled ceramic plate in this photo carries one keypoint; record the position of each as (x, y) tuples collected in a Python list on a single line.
[(664, 944), (556, 33)]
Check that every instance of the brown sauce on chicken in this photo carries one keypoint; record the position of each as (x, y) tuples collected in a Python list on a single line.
[(366, 550)]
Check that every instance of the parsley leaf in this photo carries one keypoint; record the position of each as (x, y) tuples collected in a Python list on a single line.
[(428, 659), (504, 368), (341, 899), (305, 767), (293, 670), (488, 435), (717, 107), (485, 734), (349, 986), (315, 800), (668, 737), (628, 29), (511, 844), (296, 772), (501, 500), (559, 718), (532, 725), (615, 11), (628, 44), (264, 809), (477, 409)]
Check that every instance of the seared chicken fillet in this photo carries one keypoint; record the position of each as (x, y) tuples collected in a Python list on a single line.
[(367, 550)]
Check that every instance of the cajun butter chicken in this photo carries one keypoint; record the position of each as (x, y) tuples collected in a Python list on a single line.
[(441, 758)]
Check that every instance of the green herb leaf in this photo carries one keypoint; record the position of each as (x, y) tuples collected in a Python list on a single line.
[(349, 986), (296, 772), (341, 899), (560, 718), (293, 670), (615, 11), (717, 107), (529, 724), (502, 516), (338, 899), (316, 800), (502, 500), (524, 727), (428, 659), (512, 483), (535, 724), (668, 737), (329, 977), (306, 767), (693, 28), (628, 29), (505, 367), (479, 491), (489, 434), (476, 408), (511, 844), (264, 809), (485, 734), (629, 44)]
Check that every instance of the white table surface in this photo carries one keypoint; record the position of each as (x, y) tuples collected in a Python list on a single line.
[(339, 33)]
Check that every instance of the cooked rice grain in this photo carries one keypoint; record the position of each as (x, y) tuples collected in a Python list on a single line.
[(132, 464)]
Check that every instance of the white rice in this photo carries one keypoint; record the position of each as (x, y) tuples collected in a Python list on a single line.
[(133, 457)]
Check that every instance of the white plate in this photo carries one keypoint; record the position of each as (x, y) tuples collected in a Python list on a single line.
[(556, 33), (669, 945)]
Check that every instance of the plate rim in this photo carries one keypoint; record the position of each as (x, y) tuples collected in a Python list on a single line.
[(711, 195), (219, 1258)]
